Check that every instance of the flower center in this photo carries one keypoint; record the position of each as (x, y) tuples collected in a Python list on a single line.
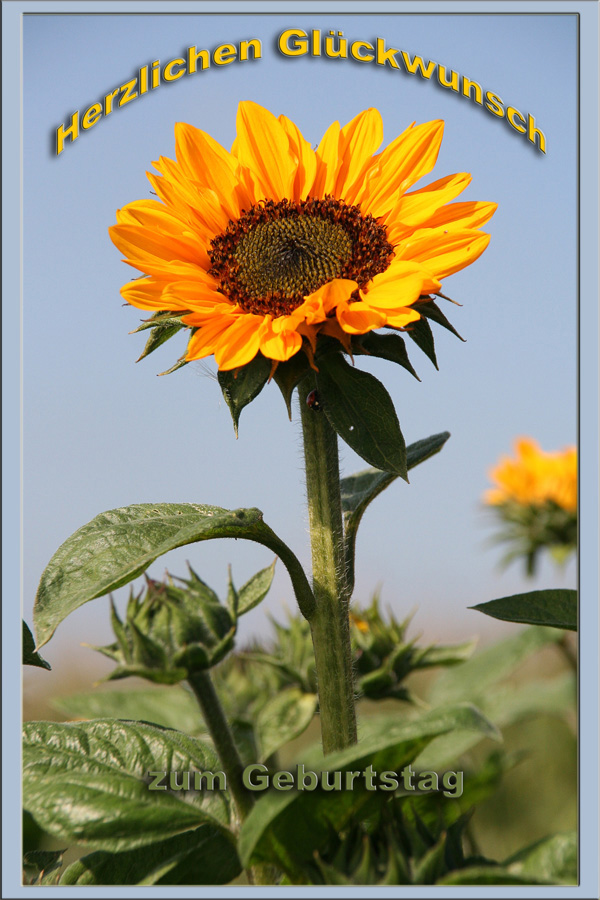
[(276, 254)]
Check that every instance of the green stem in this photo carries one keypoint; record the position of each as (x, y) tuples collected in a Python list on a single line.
[(329, 621), (212, 711)]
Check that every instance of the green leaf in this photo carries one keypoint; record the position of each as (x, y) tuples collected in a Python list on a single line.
[(553, 859), (420, 332), (241, 386), (470, 681), (431, 310), (283, 718), (293, 825), (118, 545), (386, 346), (256, 589), (88, 783), (503, 706), (556, 607), (288, 375), (178, 365), (201, 856), (473, 875), (171, 707), (359, 490), (161, 319), (158, 336), (30, 657), (360, 409)]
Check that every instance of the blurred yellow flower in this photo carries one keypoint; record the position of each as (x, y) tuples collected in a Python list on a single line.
[(534, 477), (269, 245)]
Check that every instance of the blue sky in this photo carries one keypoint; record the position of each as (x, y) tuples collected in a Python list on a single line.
[(102, 432)]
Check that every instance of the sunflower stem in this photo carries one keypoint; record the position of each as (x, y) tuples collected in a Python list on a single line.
[(329, 621), (212, 711)]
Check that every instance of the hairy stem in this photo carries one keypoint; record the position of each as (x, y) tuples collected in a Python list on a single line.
[(212, 711), (329, 620)]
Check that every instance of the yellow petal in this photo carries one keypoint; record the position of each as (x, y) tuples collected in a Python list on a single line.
[(327, 162), (359, 140), (444, 252), (209, 164), (395, 292), (146, 293), (358, 318), (279, 345), (306, 161), (418, 207), (402, 317), (411, 156), (263, 147), (203, 342), (239, 344)]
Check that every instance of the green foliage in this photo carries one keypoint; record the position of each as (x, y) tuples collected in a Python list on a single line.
[(529, 529), (431, 311), (359, 490), (384, 346), (170, 633), (163, 326), (384, 658), (288, 376), (420, 332), (201, 856), (97, 793), (30, 657), (556, 608), (241, 386), (117, 546), (361, 411), (170, 706), (44, 864), (555, 858), (283, 718), (288, 828)]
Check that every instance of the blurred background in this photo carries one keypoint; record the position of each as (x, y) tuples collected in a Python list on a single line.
[(101, 432)]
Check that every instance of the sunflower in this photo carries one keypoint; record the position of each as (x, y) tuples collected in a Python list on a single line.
[(264, 248), (534, 478)]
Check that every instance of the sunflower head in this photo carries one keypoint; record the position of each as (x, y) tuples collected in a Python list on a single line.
[(535, 497), (269, 248)]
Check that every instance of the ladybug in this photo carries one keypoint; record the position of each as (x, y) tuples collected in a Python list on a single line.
[(313, 402)]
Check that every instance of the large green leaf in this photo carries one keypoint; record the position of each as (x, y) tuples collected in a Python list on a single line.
[(30, 657), (478, 681), (241, 386), (359, 490), (360, 409), (171, 707), (88, 782), (283, 718), (470, 681), (118, 545), (504, 706), (291, 826), (553, 859), (201, 856), (556, 607)]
